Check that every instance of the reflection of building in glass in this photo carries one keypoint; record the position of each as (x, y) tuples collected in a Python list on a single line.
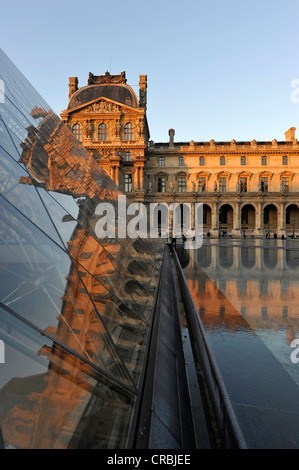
[(75, 311)]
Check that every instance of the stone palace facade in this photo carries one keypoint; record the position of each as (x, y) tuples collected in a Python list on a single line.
[(247, 188)]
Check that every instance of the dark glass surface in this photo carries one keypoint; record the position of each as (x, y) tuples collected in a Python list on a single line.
[(75, 310)]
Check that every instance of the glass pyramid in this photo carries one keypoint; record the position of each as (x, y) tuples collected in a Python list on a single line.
[(75, 310)]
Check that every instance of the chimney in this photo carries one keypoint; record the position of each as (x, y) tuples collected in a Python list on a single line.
[(171, 133), (73, 86), (142, 91), (290, 135)]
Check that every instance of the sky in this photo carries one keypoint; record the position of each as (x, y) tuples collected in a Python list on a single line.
[(217, 69)]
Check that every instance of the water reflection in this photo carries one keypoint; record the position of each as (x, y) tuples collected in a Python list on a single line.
[(247, 297), (257, 280)]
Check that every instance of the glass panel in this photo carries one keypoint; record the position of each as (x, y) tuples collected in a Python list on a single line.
[(23, 196), (51, 399), (93, 297)]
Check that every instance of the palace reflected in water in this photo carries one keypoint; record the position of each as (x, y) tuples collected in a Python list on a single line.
[(232, 282)]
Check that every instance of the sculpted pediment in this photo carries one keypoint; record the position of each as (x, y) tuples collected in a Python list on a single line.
[(104, 105)]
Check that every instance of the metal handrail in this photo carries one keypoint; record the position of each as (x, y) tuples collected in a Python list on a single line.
[(228, 427)]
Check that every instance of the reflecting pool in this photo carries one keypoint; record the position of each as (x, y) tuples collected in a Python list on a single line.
[(247, 295)]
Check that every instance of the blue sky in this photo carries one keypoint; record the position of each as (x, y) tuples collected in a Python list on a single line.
[(218, 69)]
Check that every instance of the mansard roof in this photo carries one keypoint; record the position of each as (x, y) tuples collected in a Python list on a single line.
[(119, 92)]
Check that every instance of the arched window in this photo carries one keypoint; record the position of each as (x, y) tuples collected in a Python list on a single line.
[(103, 131), (77, 131), (129, 131), (161, 161)]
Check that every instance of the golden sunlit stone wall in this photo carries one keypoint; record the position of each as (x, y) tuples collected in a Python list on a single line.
[(247, 188)]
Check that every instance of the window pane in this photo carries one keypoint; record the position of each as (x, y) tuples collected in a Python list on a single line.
[(222, 185), (128, 183), (161, 185), (181, 184), (201, 185), (103, 132), (243, 184), (77, 131), (129, 134)]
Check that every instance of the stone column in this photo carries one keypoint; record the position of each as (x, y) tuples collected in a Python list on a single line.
[(215, 219), (141, 178), (259, 219), (192, 223), (237, 219), (281, 226), (116, 175), (135, 178)]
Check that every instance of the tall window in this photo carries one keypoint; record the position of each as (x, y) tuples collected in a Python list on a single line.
[(202, 161), (285, 160), (285, 183), (222, 161), (129, 131), (182, 184), (181, 161), (103, 131), (264, 160), (128, 182), (161, 161), (264, 184), (201, 185), (77, 131), (243, 184), (243, 160), (161, 185), (128, 157), (222, 184)]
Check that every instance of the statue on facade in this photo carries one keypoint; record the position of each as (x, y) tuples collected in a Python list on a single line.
[(88, 128), (215, 186), (193, 186), (171, 186), (115, 129), (282, 187), (238, 186), (150, 187), (140, 128)]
